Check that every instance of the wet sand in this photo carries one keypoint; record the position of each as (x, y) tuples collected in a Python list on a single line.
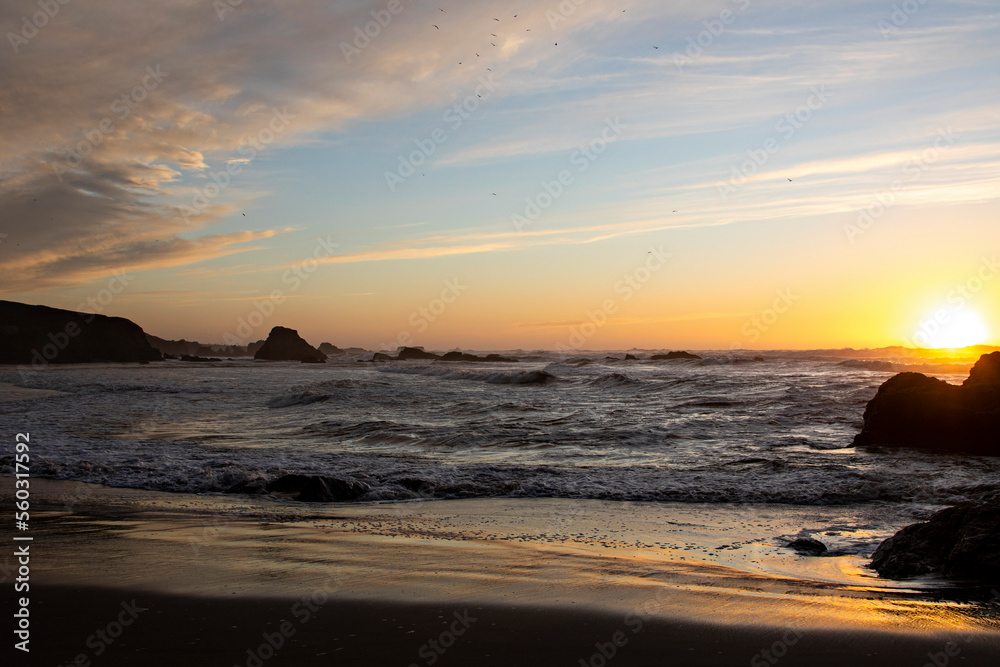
[(546, 582)]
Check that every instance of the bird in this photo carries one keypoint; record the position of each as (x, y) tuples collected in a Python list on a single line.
[(244, 215), (494, 194), (435, 26), (656, 47), (789, 180)]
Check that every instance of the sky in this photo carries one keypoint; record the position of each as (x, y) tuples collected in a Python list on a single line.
[(497, 175)]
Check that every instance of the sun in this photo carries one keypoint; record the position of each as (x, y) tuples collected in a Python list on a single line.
[(960, 328)]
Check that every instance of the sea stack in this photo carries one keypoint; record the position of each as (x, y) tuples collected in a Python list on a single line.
[(914, 410), (285, 344)]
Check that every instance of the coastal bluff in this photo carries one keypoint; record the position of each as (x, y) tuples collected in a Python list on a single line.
[(40, 335), (915, 410)]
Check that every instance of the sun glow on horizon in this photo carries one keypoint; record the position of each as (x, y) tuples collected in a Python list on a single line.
[(955, 329)]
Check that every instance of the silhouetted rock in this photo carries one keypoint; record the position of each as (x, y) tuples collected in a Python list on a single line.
[(378, 356), (459, 356), (808, 546), (496, 358), (317, 489), (330, 350), (961, 542), (629, 357), (758, 358), (415, 353), (914, 410), (284, 344), (39, 335), (189, 357), (674, 355)]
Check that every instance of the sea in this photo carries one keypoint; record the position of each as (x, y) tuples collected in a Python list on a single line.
[(721, 429)]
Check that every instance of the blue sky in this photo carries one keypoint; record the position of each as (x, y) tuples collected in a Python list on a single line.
[(697, 114)]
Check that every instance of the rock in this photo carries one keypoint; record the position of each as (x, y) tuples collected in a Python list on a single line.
[(378, 356), (284, 344), (317, 489), (330, 350), (674, 355), (415, 353), (961, 542), (758, 358), (496, 358), (252, 487), (39, 335), (189, 357), (914, 410), (807, 546), (629, 357), (459, 356), (314, 360)]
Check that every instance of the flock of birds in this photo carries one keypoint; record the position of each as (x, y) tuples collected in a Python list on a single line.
[(493, 44)]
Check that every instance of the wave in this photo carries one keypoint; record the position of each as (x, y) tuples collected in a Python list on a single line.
[(298, 398), (502, 377), (870, 365), (613, 380)]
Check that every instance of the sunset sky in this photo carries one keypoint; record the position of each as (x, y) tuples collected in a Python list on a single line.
[(497, 175)]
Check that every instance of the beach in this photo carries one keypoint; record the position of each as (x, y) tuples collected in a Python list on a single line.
[(248, 581)]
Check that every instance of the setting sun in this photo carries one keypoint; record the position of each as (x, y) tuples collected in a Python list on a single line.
[(960, 328)]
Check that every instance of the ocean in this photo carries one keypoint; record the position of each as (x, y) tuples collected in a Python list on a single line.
[(716, 430)]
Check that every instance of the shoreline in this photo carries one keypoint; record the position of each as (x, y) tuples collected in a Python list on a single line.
[(218, 572)]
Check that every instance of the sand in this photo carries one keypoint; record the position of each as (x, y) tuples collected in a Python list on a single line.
[(231, 580)]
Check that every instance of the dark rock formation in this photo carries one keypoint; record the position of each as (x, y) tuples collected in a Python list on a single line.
[(410, 353), (317, 489), (758, 358), (413, 353), (808, 546), (961, 542), (330, 349), (629, 357), (39, 335), (286, 345), (914, 410), (674, 355), (188, 357)]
